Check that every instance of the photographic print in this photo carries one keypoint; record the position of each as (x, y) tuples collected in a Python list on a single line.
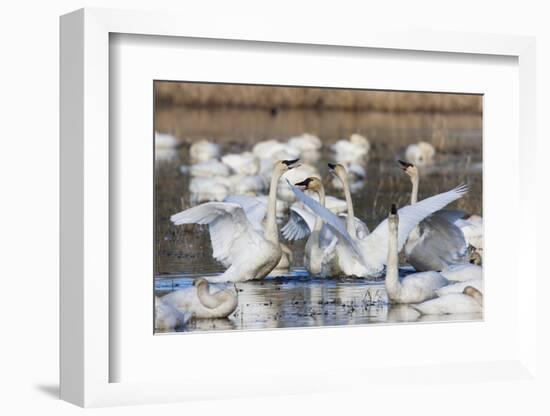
[(289, 207)]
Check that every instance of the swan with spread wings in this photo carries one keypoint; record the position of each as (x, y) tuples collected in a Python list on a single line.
[(238, 238), (367, 256)]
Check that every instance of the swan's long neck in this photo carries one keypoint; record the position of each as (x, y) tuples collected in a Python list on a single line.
[(271, 230), (414, 193), (393, 284), (318, 221), (206, 298), (350, 219)]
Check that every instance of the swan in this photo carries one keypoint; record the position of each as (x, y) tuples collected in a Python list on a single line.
[(302, 172), (353, 224), (472, 228), (203, 304), (274, 149), (305, 142), (255, 209), (242, 246), (165, 141), (463, 272), (204, 150), (210, 168), (436, 242), (467, 302), (413, 288), (203, 189), (421, 153), (351, 151), (458, 287), (245, 163), (367, 256), (168, 317), (319, 249)]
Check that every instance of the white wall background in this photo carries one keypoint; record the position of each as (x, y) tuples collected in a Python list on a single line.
[(29, 57)]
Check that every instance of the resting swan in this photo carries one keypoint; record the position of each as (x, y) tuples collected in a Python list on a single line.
[(436, 242), (421, 153), (469, 301), (169, 317), (242, 246), (201, 303), (319, 250), (367, 256), (413, 288)]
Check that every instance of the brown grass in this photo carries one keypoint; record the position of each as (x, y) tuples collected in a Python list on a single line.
[(197, 95)]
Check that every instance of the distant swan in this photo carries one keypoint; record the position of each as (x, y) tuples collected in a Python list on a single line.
[(413, 288), (201, 303), (245, 163), (210, 168), (351, 151), (469, 301), (243, 247), (436, 242), (421, 153), (203, 150), (305, 142), (367, 256)]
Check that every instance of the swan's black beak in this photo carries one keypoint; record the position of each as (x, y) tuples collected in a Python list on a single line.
[(405, 165), (393, 210), (331, 167), (291, 163), (194, 282), (304, 184)]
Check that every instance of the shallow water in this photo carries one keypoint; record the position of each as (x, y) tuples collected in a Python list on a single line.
[(297, 300), (183, 253)]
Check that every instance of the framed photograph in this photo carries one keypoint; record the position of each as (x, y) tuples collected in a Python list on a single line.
[(247, 206)]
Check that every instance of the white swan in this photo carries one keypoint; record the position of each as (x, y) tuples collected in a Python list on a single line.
[(436, 242), (367, 256), (165, 141), (413, 288), (208, 169), (241, 246), (468, 302), (245, 163), (319, 249), (458, 287), (203, 189), (285, 264), (274, 149), (305, 142), (421, 153), (168, 317), (351, 151), (203, 150), (201, 303), (463, 272), (301, 172)]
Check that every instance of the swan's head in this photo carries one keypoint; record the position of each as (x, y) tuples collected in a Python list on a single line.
[(310, 184), (338, 170), (409, 169), (200, 283), (473, 292), (285, 165), (393, 218)]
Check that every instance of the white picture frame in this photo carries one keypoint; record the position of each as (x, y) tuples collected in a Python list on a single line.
[(86, 353)]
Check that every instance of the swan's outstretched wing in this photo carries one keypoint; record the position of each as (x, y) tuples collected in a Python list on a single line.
[(255, 209), (409, 217), (337, 225), (231, 233), (299, 225), (441, 244)]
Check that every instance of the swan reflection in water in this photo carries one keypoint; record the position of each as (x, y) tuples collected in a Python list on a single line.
[(297, 300)]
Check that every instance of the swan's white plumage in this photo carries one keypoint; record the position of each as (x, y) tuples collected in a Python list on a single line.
[(453, 303), (204, 150), (245, 163), (463, 272), (458, 287), (371, 252), (210, 168), (169, 317), (231, 233), (421, 153)]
